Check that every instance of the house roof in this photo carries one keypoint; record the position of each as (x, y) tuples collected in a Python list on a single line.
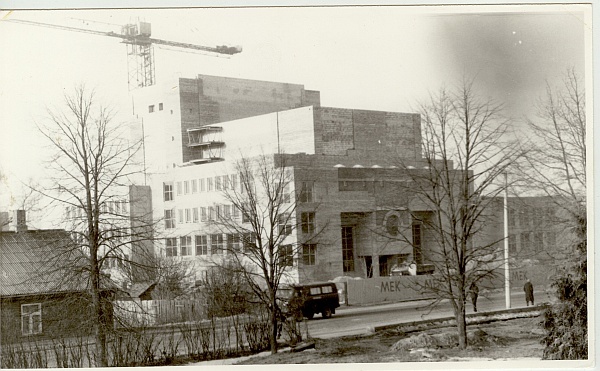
[(39, 262)]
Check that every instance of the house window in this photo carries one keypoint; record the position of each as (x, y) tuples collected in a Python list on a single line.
[(188, 215), (235, 212), (511, 218), (218, 183), (169, 219), (234, 242), (512, 244), (249, 241), (31, 319), (194, 186), (308, 222), (170, 247), (202, 185), (245, 216), (284, 228), (306, 192), (186, 187), (347, 249), (225, 182), (151, 108), (160, 106), (286, 256), (309, 254), (180, 216), (201, 245), (217, 244), (209, 184), (226, 211), (195, 214), (178, 188), (186, 245), (203, 216)]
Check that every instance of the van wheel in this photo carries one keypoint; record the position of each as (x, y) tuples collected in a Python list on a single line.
[(309, 315), (326, 313)]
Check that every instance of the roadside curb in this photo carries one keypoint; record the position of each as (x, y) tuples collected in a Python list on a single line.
[(471, 319)]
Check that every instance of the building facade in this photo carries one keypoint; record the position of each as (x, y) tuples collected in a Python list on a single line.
[(341, 165)]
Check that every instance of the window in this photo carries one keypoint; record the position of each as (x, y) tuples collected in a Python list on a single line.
[(511, 218), (286, 256), (217, 243), (235, 212), (286, 194), (151, 108), (201, 245), (194, 186), (186, 187), (525, 241), (524, 218), (211, 213), (347, 249), (309, 254), (218, 183), (169, 219), (234, 182), (209, 184), (284, 227), (538, 241), (160, 106), (202, 185), (315, 291), (178, 188), (306, 192), (203, 214), (195, 214), (249, 241), (180, 216), (512, 244), (188, 215), (124, 206), (225, 182), (31, 319), (308, 222), (219, 209), (416, 237), (186, 245), (234, 242), (227, 211), (245, 216), (170, 247)]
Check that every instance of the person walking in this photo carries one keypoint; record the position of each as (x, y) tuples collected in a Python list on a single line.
[(528, 288), (474, 292)]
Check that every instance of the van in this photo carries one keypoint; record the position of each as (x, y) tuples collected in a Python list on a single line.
[(306, 300)]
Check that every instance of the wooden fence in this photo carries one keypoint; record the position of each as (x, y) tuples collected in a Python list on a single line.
[(157, 312)]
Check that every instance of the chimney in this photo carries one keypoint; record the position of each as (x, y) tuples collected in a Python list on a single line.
[(20, 221)]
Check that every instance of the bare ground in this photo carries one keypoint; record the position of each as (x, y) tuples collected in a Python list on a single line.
[(502, 340)]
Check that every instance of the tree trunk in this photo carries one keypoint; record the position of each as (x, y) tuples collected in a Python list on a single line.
[(99, 321), (461, 322), (273, 325)]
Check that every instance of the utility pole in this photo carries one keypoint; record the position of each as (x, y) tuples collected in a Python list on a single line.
[(506, 262)]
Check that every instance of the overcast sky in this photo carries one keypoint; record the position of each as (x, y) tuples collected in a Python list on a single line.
[(377, 58)]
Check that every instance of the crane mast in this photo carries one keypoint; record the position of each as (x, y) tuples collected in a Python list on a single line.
[(140, 50)]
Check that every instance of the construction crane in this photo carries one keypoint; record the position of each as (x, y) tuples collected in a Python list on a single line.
[(140, 51)]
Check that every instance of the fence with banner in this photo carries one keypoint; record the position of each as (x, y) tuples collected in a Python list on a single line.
[(405, 288)]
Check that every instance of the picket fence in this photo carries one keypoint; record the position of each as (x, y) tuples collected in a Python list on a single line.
[(139, 313)]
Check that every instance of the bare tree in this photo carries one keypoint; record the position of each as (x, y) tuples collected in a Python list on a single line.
[(556, 162), (262, 241), (90, 181), (465, 154), (556, 167)]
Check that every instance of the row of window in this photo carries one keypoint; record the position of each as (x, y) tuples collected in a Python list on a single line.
[(107, 207), (532, 241), (528, 217), (220, 244), (186, 187), (223, 183), (151, 107)]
